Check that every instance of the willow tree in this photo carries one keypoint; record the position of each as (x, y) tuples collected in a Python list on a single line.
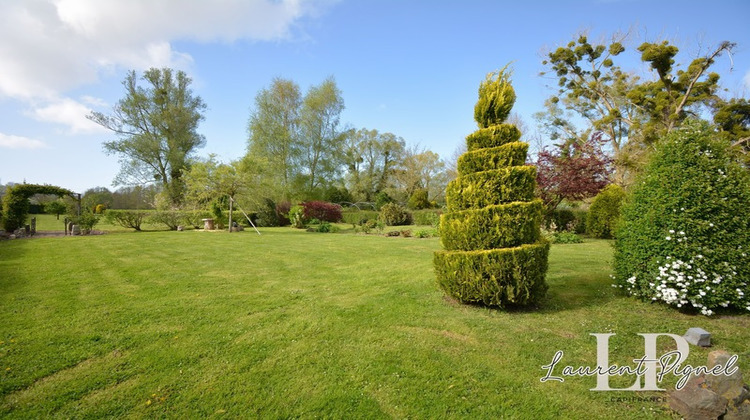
[(156, 128), (494, 254)]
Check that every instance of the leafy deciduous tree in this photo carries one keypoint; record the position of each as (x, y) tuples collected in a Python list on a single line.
[(157, 129)]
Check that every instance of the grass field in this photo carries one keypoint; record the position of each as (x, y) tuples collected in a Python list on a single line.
[(296, 324)]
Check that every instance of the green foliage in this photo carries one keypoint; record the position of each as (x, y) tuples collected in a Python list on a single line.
[(157, 129), (500, 186), (392, 214), (511, 154), (297, 216), (337, 195), (382, 199), (358, 217), (86, 221), (566, 220), (565, 238), (498, 226), (427, 218), (685, 230), (494, 136), (16, 202), (494, 253), (419, 200), (56, 207), (195, 218), (426, 233), (499, 277), (496, 99), (604, 212), (168, 218), (127, 218)]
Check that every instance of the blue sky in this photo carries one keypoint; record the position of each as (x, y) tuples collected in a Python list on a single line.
[(407, 67)]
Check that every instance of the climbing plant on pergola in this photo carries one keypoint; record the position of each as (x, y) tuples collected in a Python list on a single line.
[(16, 202)]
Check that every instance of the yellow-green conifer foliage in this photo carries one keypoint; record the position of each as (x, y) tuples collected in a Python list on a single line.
[(494, 253)]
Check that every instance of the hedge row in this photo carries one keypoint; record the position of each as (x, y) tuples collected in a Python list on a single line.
[(498, 277), (134, 219), (511, 154), (481, 189), (494, 136), (499, 226)]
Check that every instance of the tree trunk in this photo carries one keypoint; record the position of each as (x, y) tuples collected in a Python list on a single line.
[(230, 214)]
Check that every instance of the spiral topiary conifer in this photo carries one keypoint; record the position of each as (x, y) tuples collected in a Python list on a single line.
[(494, 253)]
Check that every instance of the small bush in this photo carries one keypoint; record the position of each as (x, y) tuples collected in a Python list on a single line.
[(382, 199), (426, 233), (99, 209), (685, 230), (321, 210), (406, 233), (86, 221), (427, 218), (132, 219), (567, 220), (394, 215), (419, 200), (605, 212), (393, 233), (168, 218), (297, 217), (267, 215), (282, 213), (358, 217)]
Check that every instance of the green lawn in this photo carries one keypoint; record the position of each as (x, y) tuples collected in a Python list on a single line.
[(296, 324)]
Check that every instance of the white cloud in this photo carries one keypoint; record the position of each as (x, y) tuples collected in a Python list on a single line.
[(70, 113), (18, 142), (52, 46)]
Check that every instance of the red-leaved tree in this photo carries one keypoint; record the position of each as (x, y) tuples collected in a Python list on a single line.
[(574, 171)]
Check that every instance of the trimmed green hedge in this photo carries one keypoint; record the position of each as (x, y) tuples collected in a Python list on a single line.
[(511, 154), (500, 226), (488, 188), (494, 136), (498, 277), (357, 217), (132, 219)]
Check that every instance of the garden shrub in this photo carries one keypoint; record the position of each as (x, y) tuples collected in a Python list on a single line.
[(337, 195), (358, 217), (406, 233), (419, 200), (382, 199), (321, 210), (169, 218), (427, 218), (393, 214), (684, 233), (132, 219), (86, 221), (267, 215), (566, 220), (282, 213), (605, 212), (297, 217), (426, 233), (494, 253)]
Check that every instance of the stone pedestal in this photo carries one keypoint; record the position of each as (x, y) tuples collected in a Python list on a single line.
[(208, 224)]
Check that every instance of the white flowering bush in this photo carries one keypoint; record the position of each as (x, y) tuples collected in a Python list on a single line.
[(685, 230)]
